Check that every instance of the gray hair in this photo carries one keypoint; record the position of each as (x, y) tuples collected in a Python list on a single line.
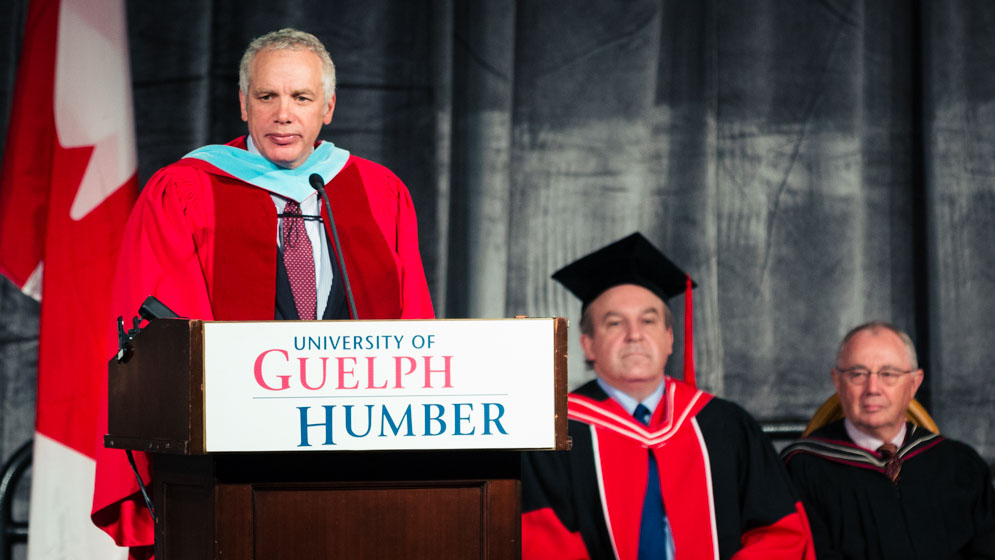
[(295, 40), (874, 327)]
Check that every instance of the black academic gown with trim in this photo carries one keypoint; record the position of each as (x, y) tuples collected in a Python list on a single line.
[(942, 506), (724, 491)]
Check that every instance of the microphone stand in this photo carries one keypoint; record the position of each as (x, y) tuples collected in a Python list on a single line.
[(318, 184)]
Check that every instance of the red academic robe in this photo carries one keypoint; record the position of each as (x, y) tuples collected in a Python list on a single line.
[(204, 243), (723, 488)]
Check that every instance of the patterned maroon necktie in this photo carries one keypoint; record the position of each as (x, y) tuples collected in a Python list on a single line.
[(298, 257), (894, 465)]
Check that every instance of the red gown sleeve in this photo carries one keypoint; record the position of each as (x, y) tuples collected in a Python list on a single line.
[(545, 537), (415, 300), (165, 252), (394, 212), (547, 510), (789, 537)]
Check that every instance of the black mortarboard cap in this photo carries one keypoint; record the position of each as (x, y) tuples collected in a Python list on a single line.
[(632, 260)]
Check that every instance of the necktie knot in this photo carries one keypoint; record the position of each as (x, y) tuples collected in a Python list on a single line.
[(888, 450), (642, 414), (893, 467)]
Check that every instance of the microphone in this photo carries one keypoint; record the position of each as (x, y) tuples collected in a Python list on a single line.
[(318, 184)]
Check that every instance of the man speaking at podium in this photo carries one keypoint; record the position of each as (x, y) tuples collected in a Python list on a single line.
[(658, 469), (238, 232)]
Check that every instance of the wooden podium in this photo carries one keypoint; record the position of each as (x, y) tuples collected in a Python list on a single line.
[(432, 504)]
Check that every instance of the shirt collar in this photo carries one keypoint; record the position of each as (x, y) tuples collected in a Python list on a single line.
[(251, 146), (868, 441), (629, 403)]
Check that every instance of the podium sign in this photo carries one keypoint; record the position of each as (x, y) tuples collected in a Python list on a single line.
[(416, 425), (379, 385)]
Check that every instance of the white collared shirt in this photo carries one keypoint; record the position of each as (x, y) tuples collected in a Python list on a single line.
[(629, 403), (870, 442)]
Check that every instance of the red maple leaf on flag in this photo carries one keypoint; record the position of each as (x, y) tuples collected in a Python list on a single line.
[(67, 185)]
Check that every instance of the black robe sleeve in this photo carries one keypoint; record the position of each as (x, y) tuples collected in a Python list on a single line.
[(755, 504)]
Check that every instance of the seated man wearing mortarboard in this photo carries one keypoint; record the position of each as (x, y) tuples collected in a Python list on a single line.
[(658, 469), (877, 487)]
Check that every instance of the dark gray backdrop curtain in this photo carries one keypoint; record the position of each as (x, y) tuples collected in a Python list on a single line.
[(811, 164)]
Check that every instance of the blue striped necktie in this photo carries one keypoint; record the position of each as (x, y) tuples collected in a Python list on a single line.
[(655, 539)]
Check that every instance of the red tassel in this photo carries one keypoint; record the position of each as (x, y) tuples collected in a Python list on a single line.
[(688, 334)]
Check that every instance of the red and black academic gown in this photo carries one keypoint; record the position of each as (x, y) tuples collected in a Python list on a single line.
[(941, 507), (204, 242), (725, 492)]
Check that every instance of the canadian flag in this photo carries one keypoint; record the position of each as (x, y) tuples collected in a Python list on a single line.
[(67, 185)]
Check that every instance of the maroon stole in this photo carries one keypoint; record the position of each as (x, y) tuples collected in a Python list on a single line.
[(620, 444)]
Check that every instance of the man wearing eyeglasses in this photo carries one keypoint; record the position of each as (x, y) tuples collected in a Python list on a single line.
[(876, 486)]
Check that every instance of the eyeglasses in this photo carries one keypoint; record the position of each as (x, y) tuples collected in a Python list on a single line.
[(859, 376)]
